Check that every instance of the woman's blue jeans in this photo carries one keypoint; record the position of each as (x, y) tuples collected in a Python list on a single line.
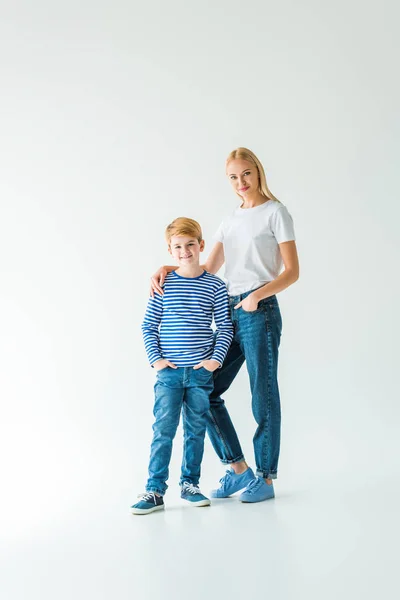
[(256, 341)]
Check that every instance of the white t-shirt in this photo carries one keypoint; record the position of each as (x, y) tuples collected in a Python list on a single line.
[(250, 237)]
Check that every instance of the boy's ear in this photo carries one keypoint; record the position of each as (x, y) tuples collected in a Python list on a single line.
[(169, 248), (202, 244)]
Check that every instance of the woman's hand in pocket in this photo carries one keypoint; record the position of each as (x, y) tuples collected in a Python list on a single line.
[(249, 304)]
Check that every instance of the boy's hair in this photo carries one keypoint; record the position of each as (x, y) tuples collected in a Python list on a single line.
[(183, 226)]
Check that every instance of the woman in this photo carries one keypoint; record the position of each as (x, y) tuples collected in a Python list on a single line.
[(254, 242)]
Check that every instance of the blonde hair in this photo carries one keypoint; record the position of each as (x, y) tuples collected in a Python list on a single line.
[(183, 226), (246, 154)]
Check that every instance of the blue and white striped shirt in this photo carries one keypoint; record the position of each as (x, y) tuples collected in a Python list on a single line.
[(177, 325)]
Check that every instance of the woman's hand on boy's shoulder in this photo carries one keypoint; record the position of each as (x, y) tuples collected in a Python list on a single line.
[(209, 365), (157, 281), (163, 363)]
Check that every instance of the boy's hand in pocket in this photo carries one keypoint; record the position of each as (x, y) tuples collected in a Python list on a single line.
[(208, 365), (163, 363)]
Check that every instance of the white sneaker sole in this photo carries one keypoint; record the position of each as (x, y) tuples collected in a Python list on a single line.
[(145, 511), (200, 503)]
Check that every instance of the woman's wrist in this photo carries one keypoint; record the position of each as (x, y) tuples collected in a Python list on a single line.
[(256, 295)]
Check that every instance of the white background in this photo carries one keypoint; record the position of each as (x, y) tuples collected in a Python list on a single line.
[(117, 117)]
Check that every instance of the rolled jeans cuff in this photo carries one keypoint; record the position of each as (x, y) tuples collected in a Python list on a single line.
[(226, 461), (266, 474), (155, 490)]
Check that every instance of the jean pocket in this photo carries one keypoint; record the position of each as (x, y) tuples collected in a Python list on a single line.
[(204, 374)]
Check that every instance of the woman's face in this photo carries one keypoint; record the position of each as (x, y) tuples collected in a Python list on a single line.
[(243, 176)]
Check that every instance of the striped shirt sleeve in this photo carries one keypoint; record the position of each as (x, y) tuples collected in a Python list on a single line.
[(222, 318), (150, 328)]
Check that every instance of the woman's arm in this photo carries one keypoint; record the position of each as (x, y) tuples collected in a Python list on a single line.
[(284, 280), (216, 259)]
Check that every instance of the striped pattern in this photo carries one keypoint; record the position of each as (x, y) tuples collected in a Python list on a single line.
[(177, 325)]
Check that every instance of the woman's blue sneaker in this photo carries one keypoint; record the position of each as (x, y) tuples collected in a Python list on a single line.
[(231, 483), (257, 491), (192, 494), (149, 502)]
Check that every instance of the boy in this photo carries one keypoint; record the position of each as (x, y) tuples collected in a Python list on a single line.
[(180, 345)]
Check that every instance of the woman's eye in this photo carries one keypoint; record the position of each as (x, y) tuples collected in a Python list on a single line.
[(247, 173)]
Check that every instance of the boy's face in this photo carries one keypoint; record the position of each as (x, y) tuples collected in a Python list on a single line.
[(185, 250)]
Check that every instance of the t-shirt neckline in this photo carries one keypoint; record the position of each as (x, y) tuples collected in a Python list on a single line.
[(190, 278), (252, 210)]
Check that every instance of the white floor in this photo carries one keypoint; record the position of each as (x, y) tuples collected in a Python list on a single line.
[(332, 539)]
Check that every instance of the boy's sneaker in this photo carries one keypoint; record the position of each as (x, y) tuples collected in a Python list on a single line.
[(192, 494), (231, 483), (149, 502), (257, 491)]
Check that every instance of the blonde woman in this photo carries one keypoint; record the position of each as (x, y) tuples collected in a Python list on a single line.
[(257, 244)]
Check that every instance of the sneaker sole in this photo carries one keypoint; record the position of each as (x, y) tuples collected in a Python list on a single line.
[(200, 503), (255, 501), (145, 511)]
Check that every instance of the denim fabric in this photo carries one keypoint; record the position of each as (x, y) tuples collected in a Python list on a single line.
[(256, 341), (187, 391)]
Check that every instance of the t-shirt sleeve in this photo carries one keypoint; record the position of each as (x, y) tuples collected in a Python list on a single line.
[(219, 234), (282, 225)]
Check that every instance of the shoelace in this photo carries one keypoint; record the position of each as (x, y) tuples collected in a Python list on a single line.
[(190, 487), (254, 485), (225, 478), (148, 496)]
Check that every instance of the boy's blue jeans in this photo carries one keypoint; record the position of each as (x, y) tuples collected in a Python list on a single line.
[(179, 390), (256, 340)]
